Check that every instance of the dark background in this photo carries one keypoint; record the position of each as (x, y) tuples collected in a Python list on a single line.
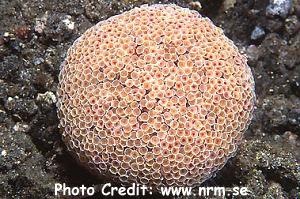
[(34, 37)]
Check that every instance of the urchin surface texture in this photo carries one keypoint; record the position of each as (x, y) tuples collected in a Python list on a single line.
[(157, 95)]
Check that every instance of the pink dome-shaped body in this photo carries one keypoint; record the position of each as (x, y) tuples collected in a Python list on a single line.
[(157, 95)]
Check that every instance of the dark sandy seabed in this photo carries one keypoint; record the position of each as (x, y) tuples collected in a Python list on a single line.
[(34, 38)]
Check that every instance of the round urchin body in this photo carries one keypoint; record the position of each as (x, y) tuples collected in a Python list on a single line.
[(157, 95)]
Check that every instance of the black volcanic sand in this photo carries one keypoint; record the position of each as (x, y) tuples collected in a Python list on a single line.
[(34, 38)]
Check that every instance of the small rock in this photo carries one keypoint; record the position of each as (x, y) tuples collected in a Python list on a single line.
[(43, 79), (40, 23), (22, 107), (3, 153), (257, 33), (16, 46), (292, 25), (21, 127), (48, 97), (196, 5), (227, 4), (22, 32), (38, 61), (275, 190), (7, 34), (26, 75), (9, 67), (279, 8), (58, 26), (291, 137), (69, 24), (252, 53)]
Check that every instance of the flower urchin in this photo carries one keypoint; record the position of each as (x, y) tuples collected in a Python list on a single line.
[(157, 95)]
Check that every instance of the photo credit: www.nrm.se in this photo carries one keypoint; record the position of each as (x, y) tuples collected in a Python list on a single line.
[(142, 190)]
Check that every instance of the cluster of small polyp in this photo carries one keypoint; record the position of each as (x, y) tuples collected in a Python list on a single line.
[(157, 95)]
